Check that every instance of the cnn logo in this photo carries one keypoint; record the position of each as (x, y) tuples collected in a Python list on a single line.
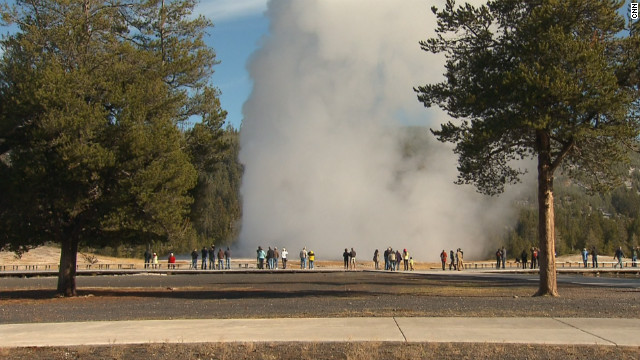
[(634, 10)]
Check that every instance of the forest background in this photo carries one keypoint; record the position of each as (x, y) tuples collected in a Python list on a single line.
[(583, 220)]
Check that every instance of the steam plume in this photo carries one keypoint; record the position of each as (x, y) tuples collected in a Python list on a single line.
[(325, 132)]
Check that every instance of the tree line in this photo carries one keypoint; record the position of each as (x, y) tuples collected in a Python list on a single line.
[(584, 219)]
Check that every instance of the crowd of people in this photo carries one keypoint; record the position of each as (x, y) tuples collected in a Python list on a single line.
[(208, 258), (456, 260), (271, 258), (524, 258), (393, 259)]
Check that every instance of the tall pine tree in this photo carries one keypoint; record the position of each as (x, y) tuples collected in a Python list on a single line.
[(91, 95), (548, 79)]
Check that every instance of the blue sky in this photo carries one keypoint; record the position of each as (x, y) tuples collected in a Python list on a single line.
[(239, 26)]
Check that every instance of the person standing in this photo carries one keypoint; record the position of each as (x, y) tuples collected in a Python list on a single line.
[(345, 257), (392, 259), (261, 256), (618, 255), (155, 260), (634, 256), (171, 261), (352, 259), (269, 257), (443, 259), (285, 254), (452, 264), (147, 258), (212, 257), (220, 259), (194, 259), (276, 257), (594, 258), (303, 258), (460, 256), (585, 257), (503, 256), (376, 259), (524, 258), (227, 258), (411, 263), (398, 259), (386, 259), (312, 259), (534, 258), (204, 253), (498, 258), (405, 259)]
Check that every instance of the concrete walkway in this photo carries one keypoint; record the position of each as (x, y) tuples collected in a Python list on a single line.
[(576, 331)]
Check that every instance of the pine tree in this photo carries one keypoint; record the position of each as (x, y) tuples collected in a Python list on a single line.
[(547, 79), (91, 94)]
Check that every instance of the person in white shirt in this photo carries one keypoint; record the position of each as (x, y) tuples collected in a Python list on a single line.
[(284, 254)]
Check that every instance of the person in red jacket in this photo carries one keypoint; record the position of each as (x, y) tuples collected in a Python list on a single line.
[(443, 259), (172, 261)]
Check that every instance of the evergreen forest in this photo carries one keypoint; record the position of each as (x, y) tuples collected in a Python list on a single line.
[(583, 219)]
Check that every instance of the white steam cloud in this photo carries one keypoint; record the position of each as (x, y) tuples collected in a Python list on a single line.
[(324, 131)]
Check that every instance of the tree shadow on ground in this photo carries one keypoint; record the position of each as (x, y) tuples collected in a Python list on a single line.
[(186, 294)]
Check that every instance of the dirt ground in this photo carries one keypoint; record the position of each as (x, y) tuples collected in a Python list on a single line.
[(322, 351), (339, 294)]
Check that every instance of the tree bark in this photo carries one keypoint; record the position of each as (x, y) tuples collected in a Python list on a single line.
[(68, 262), (546, 218)]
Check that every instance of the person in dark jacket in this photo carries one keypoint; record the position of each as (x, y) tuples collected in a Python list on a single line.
[(376, 259), (524, 258), (270, 256), (212, 257), (386, 259), (345, 256), (205, 253), (452, 257), (147, 258), (227, 258), (619, 255), (194, 259)]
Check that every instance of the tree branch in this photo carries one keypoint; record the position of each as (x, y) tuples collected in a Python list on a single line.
[(566, 148)]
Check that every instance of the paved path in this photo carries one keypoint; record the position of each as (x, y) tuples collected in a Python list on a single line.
[(577, 331)]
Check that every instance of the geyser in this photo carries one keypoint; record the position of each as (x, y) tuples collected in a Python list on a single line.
[(336, 146)]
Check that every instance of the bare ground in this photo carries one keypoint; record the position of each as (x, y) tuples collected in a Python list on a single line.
[(321, 351), (340, 294)]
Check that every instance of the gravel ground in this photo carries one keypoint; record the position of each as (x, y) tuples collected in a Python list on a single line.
[(339, 294), (264, 295)]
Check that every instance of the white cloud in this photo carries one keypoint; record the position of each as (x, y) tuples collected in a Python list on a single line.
[(225, 10)]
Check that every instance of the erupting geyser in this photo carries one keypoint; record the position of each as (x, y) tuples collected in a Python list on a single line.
[(336, 146)]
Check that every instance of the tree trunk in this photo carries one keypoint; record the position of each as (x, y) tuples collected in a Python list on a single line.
[(546, 220), (68, 262)]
